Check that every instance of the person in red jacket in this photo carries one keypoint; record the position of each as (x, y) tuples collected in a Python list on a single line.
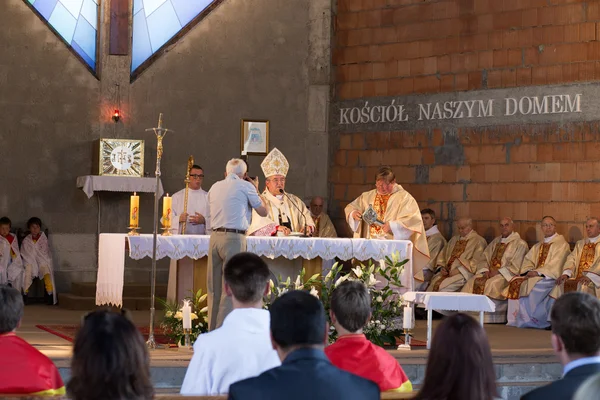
[(353, 352), (23, 370)]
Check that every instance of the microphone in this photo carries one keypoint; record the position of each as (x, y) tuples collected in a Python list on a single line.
[(298, 208)]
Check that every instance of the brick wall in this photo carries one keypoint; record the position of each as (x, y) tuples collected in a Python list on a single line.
[(404, 47)]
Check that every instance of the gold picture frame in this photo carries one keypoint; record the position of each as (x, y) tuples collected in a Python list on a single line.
[(119, 157), (254, 137)]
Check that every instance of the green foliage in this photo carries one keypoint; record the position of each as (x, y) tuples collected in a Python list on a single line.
[(172, 323)]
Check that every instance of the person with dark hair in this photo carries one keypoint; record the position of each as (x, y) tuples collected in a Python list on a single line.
[(240, 348), (37, 258), (353, 352), (298, 332), (398, 215), (23, 370), (459, 365), (11, 263), (110, 360), (575, 319), (435, 242)]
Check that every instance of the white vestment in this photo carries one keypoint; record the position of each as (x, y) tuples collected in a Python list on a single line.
[(239, 349), (197, 203), (38, 261), (12, 263)]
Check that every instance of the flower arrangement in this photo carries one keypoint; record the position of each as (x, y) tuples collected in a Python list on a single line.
[(172, 323), (386, 315)]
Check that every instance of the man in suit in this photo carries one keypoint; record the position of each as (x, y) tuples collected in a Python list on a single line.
[(298, 333), (575, 319)]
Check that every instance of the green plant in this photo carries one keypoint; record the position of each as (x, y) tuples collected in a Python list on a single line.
[(172, 322)]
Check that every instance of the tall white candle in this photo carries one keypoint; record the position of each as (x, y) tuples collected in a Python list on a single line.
[(407, 320), (186, 311)]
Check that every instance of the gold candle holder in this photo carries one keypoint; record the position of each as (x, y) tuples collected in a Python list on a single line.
[(133, 231)]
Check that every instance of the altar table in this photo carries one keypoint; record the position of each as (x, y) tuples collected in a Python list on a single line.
[(111, 254)]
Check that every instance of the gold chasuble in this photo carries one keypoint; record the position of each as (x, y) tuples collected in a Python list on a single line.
[(584, 260), (545, 258), (324, 227), (460, 253), (504, 255), (402, 212)]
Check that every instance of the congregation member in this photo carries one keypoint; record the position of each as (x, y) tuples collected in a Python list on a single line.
[(110, 360), (398, 215), (323, 226), (435, 242), (352, 351), (582, 268), (500, 262), (299, 331), (35, 251), (529, 300), (575, 339), (286, 213), (230, 208), (194, 220), (589, 390), (457, 262), (240, 348), (459, 365), (11, 263), (23, 370)]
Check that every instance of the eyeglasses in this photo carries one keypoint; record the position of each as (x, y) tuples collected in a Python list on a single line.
[(197, 176)]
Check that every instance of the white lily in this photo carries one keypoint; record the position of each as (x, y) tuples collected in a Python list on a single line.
[(178, 315), (379, 299), (328, 276), (204, 310), (168, 314), (283, 291), (340, 280), (372, 280), (357, 271), (271, 284), (298, 283), (314, 292), (194, 316)]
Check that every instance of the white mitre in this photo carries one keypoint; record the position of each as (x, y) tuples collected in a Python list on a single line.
[(275, 163)]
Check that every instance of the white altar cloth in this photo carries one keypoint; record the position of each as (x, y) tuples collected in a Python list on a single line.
[(111, 253), (451, 302), (91, 183)]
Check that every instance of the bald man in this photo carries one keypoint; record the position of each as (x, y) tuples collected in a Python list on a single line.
[(501, 261), (456, 263), (323, 226)]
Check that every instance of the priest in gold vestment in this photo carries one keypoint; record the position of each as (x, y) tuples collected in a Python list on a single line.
[(581, 271), (500, 262), (323, 226), (435, 242), (457, 263), (529, 300), (399, 213)]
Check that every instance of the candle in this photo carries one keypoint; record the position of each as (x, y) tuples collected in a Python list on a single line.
[(134, 211), (186, 312), (244, 152), (407, 320), (167, 207)]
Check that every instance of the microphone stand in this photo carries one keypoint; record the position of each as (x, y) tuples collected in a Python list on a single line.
[(298, 208)]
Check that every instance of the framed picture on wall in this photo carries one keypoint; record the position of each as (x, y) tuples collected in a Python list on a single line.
[(255, 137)]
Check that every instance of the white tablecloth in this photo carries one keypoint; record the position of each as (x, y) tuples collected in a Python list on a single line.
[(91, 183), (451, 301), (111, 253)]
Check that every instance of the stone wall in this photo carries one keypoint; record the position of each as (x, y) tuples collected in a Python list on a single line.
[(262, 59), (522, 165)]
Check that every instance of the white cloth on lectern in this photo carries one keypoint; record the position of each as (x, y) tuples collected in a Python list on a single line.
[(239, 349)]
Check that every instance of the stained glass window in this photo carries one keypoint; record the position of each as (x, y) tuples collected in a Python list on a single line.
[(155, 22), (75, 21)]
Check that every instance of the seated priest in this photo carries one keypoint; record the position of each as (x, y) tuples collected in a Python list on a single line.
[(287, 213), (529, 301), (501, 261), (323, 226), (435, 242), (457, 262), (12, 271), (398, 217), (581, 271)]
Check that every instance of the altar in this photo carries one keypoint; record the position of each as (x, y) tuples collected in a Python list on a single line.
[(112, 249)]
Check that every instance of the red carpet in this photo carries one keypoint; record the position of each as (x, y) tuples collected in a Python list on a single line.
[(68, 332)]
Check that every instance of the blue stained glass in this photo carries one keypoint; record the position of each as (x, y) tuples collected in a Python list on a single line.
[(75, 21), (63, 22), (155, 22)]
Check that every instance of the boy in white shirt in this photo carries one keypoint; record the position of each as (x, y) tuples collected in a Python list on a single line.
[(37, 258)]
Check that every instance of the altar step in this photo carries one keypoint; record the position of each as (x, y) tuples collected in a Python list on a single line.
[(135, 296)]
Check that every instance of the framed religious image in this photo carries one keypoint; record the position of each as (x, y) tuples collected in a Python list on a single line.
[(119, 157), (255, 137)]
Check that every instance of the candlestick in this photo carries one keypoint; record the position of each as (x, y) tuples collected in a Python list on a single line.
[(134, 214), (167, 214)]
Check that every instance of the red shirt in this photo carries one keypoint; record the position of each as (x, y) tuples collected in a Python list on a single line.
[(357, 355), (24, 370)]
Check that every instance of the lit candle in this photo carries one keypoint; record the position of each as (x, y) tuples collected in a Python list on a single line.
[(134, 211), (167, 207), (407, 320), (186, 312)]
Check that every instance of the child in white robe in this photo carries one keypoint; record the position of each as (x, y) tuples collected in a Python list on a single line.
[(37, 258), (11, 267)]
